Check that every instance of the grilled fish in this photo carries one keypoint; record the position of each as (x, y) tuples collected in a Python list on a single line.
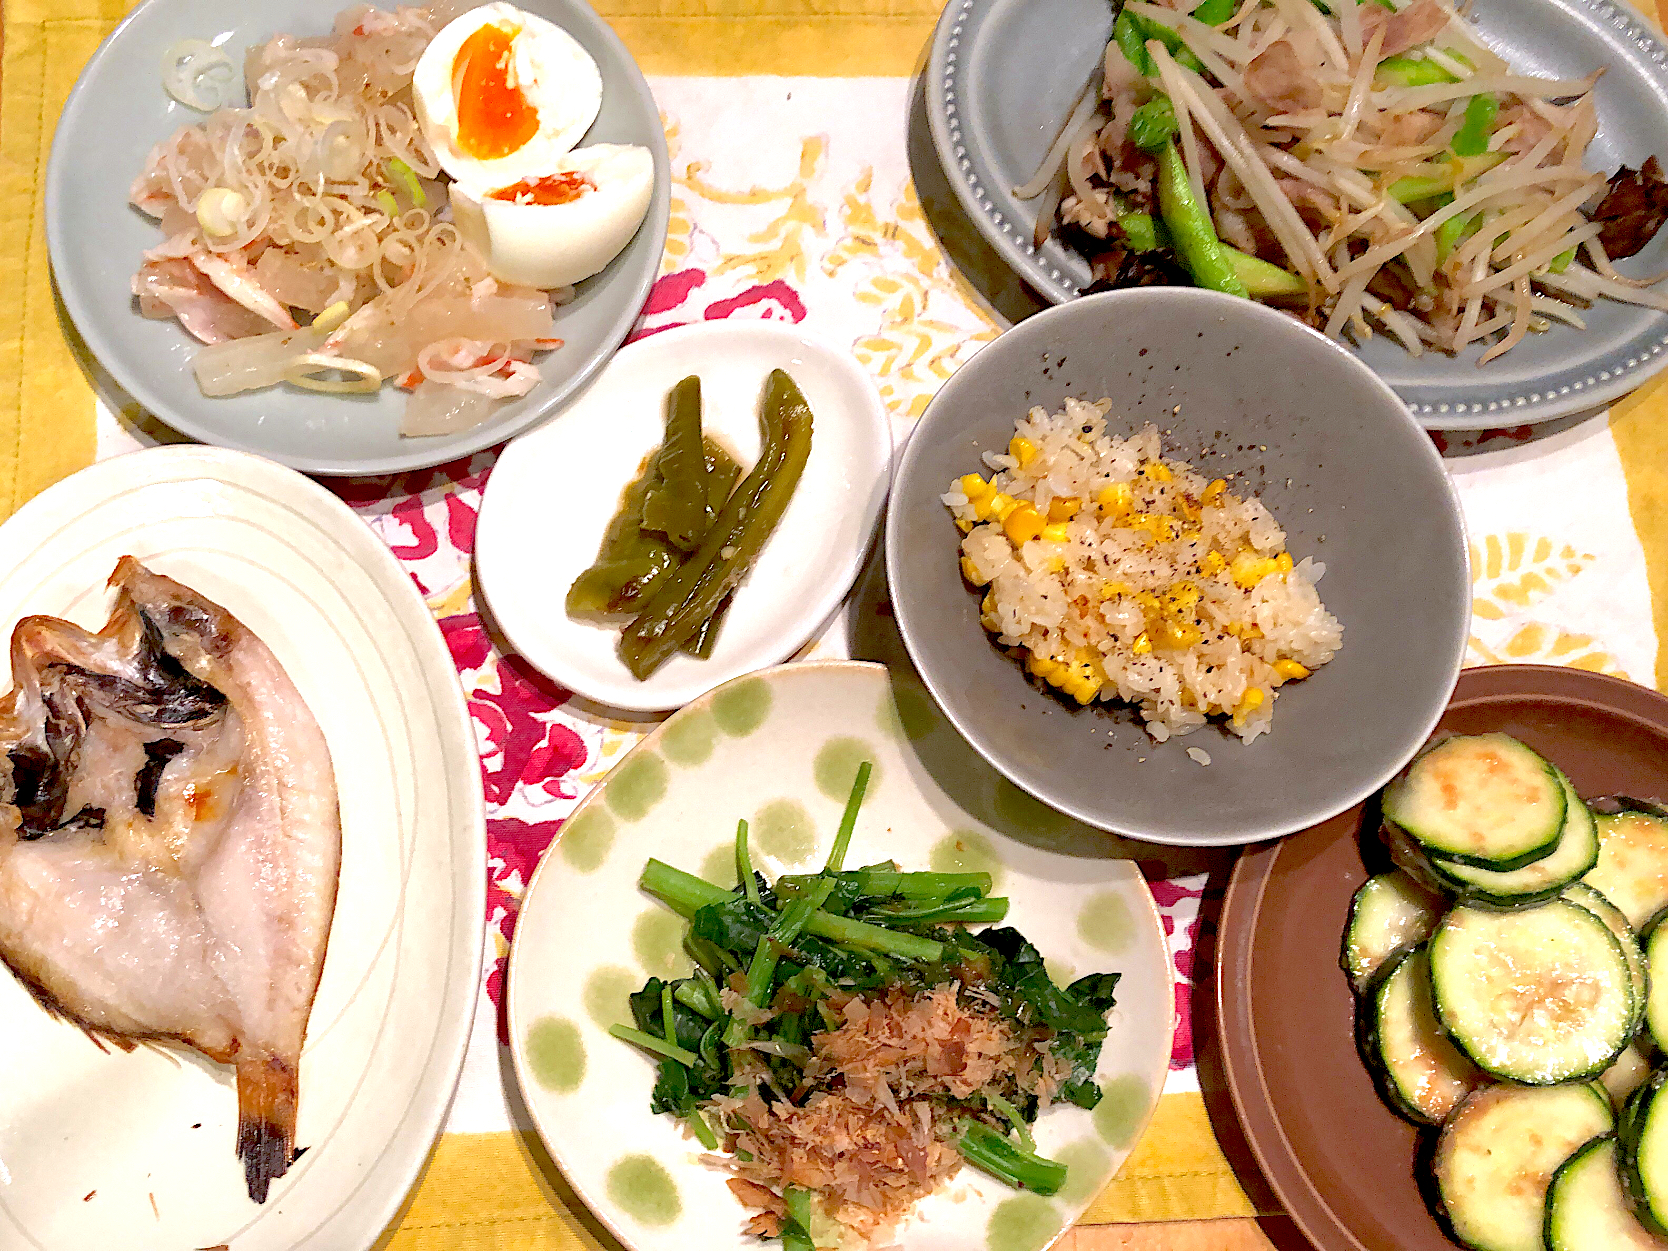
[(169, 842)]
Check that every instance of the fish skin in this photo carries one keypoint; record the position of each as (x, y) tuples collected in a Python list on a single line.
[(205, 923)]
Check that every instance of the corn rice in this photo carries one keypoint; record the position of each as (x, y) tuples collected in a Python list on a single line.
[(1171, 593)]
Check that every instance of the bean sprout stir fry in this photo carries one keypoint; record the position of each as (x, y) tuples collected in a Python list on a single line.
[(1370, 165), (323, 201)]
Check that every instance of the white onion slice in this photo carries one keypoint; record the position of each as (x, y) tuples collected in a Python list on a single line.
[(199, 75)]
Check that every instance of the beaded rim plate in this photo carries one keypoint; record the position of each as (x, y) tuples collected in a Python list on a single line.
[(1002, 73)]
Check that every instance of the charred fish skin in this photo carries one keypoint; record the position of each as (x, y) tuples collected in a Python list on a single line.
[(187, 895)]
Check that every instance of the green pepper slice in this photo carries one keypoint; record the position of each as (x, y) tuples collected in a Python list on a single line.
[(675, 612), (676, 504)]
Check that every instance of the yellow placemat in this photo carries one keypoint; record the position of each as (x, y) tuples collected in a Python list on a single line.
[(497, 1192)]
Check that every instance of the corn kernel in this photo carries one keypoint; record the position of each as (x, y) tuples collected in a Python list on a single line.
[(1022, 450), (1115, 499), (1249, 569), (1187, 506), (1249, 703), (1213, 493), (1283, 562), (1182, 598), (1142, 644), (1159, 527), (1111, 590), (1213, 563), (964, 525), (970, 571), (1022, 523), (1290, 670), (987, 613), (1057, 532), (1158, 471), (1064, 507), (1246, 632), (1174, 635)]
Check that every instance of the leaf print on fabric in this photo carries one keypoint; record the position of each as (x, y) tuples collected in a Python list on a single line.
[(786, 236), (1540, 644), (1512, 577), (1509, 572), (930, 321)]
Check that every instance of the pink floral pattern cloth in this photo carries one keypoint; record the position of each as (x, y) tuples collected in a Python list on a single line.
[(538, 755)]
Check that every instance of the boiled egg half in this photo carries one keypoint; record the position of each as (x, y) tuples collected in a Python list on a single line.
[(563, 225), (503, 94)]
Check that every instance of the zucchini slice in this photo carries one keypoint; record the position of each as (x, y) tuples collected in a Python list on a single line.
[(1536, 995), (1420, 1072), (1575, 855), (1499, 1150), (1586, 1207), (1389, 913), (1627, 1074), (1656, 999), (1632, 868), (1632, 952), (1643, 1136), (1482, 799)]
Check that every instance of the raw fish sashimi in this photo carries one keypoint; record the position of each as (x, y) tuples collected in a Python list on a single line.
[(169, 842)]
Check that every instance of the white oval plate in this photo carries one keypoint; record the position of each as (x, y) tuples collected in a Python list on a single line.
[(554, 490), (780, 748), (137, 1151)]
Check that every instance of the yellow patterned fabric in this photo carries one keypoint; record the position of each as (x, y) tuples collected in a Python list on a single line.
[(498, 1192)]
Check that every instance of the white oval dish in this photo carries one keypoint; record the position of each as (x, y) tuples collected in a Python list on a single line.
[(554, 490), (779, 748), (137, 1151)]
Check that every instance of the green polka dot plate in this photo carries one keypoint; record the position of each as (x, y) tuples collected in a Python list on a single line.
[(780, 748)]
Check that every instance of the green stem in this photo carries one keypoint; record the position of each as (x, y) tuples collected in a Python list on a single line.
[(703, 1132), (684, 893), (744, 863), (848, 822), (660, 1047), (1191, 229), (965, 912), (1009, 1113), (983, 1147)]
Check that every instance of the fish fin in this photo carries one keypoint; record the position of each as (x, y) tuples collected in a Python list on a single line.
[(266, 1097)]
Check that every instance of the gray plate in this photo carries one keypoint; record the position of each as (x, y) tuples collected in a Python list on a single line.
[(1002, 74), (119, 109), (1339, 462)]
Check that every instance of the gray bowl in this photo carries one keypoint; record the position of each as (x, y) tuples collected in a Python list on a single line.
[(1326, 445), (118, 111)]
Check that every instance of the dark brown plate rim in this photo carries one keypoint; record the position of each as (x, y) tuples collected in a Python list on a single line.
[(1242, 908)]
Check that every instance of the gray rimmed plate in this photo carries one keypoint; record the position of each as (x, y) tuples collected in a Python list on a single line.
[(1234, 388), (119, 110), (1003, 73)]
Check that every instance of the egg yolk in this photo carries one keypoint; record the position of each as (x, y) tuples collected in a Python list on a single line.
[(494, 117), (551, 189)]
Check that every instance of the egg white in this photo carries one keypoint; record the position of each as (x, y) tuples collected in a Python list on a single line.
[(556, 245), (557, 76)]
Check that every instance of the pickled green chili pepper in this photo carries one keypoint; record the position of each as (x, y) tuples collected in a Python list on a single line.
[(675, 612), (1190, 228), (676, 504), (701, 645), (722, 473), (630, 562), (1471, 139), (1215, 12)]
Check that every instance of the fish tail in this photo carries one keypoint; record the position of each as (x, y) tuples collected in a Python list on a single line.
[(266, 1097)]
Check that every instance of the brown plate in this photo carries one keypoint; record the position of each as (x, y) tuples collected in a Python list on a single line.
[(1341, 1162)]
